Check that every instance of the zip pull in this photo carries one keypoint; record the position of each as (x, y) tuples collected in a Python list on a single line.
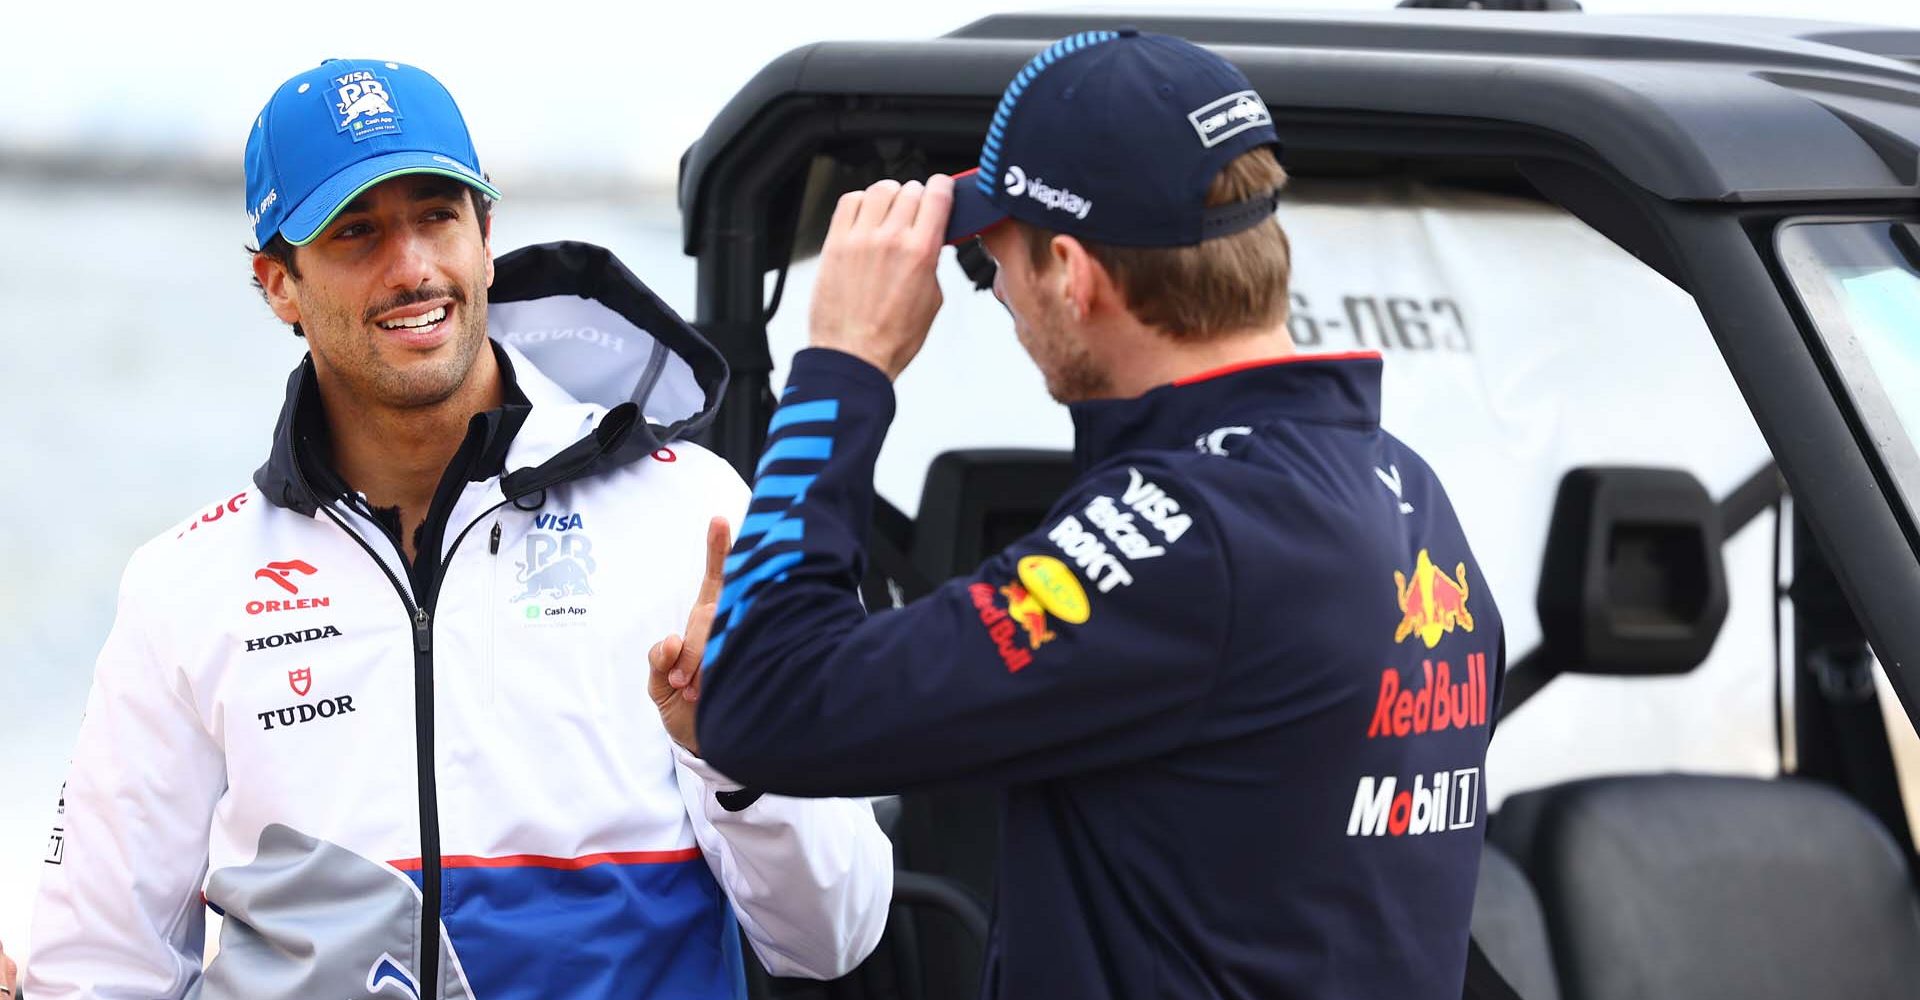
[(422, 631), (493, 539)]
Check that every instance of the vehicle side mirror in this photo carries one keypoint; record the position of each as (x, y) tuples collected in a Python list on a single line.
[(1632, 582)]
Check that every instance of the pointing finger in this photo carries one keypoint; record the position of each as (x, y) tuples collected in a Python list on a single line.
[(719, 540)]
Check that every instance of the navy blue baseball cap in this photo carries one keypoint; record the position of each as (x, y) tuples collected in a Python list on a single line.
[(340, 128), (1115, 136)]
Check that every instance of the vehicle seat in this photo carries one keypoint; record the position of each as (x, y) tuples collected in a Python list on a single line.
[(1511, 929), (1696, 886)]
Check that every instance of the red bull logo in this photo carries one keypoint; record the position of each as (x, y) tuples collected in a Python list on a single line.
[(1026, 612), (1000, 628), (1432, 603), (1046, 590)]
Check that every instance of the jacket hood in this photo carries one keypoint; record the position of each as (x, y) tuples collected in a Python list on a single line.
[(587, 324)]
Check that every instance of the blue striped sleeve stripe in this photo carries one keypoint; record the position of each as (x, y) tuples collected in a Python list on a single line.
[(754, 524), (818, 411), (787, 449), (738, 587), (791, 487), (787, 529)]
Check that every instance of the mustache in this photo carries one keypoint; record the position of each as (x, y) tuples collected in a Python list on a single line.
[(453, 292)]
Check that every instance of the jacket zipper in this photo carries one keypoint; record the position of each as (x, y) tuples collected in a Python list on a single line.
[(423, 724)]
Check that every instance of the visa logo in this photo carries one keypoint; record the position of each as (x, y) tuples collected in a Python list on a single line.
[(557, 522)]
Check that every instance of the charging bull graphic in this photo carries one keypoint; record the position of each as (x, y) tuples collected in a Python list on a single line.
[(357, 100), (1025, 609), (557, 565), (1431, 602)]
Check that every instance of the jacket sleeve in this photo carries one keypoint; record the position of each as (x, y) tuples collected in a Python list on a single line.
[(1092, 642), (119, 913), (810, 879)]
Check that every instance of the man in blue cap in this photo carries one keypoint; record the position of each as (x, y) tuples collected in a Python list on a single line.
[(384, 711), (1239, 684)]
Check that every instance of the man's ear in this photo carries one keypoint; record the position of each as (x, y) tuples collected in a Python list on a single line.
[(486, 243), (1086, 286), (282, 290)]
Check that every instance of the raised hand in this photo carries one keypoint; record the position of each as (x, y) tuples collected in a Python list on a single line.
[(675, 660), (876, 295)]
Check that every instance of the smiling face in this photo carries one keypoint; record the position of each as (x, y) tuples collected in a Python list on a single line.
[(392, 294)]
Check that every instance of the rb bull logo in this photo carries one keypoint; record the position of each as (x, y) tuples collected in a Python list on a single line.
[(1431, 602), (301, 680), (1025, 610), (363, 105), (556, 566)]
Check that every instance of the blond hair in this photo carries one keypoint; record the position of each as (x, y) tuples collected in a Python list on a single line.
[(1215, 287)]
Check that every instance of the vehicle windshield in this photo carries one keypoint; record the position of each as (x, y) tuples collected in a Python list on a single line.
[(1860, 283)]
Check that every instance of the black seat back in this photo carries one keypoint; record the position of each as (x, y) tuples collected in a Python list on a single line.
[(1695, 886)]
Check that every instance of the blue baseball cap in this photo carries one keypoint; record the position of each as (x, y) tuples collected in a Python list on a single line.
[(338, 129), (1115, 136)]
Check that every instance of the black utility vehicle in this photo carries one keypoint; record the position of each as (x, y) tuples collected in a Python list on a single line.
[(1770, 172)]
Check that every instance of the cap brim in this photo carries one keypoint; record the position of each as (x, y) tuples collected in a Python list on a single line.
[(973, 209), (312, 215)]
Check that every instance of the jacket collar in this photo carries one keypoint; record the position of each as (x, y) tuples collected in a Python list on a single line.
[(1326, 388), (299, 472), (627, 376)]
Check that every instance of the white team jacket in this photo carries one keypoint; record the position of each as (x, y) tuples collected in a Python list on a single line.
[(275, 712)]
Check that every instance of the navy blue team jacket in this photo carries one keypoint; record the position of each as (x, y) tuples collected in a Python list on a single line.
[(1238, 686)]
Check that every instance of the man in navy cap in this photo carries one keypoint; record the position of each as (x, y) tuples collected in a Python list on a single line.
[(387, 710), (1238, 686)]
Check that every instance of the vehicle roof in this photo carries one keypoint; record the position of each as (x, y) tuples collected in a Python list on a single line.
[(1690, 108)]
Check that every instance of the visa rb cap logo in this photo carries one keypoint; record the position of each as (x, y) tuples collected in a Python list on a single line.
[(363, 105)]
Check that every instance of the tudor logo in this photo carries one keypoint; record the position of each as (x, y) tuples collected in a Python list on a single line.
[(300, 680), (288, 638), (1016, 181), (294, 715)]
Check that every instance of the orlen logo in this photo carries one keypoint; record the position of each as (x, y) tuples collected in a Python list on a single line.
[(1450, 802), (1442, 703), (280, 574)]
